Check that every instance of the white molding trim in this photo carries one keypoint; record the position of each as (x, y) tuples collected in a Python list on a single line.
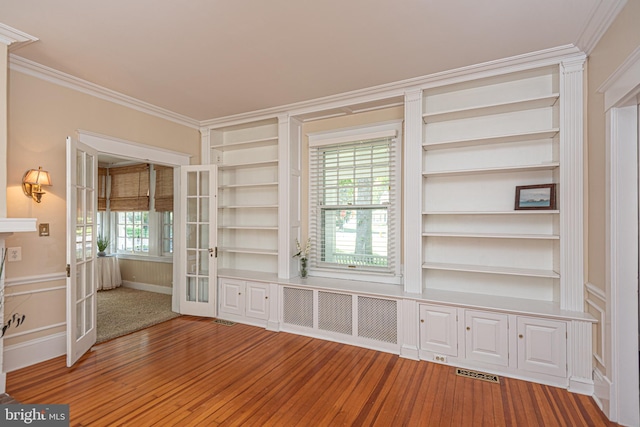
[(572, 183), (412, 200), (147, 287), (593, 289), (36, 330), (602, 392), (409, 328), (37, 291), (623, 84), (15, 225), (581, 367), (601, 327), (15, 38), (111, 145), (33, 69), (601, 19), (525, 61), (29, 353), (41, 278), (622, 261)]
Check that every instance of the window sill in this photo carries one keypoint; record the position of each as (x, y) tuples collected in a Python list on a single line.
[(148, 258), (361, 276)]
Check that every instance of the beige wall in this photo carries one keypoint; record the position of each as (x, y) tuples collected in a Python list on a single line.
[(620, 40), (41, 116), (151, 273)]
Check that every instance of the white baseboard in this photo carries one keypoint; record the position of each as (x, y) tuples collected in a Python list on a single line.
[(29, 353), (147, 287), (602, 392)]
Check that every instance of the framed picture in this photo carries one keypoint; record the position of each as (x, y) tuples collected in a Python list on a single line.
[(542, 196)]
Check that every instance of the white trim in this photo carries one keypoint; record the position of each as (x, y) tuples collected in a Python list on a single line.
[(601, 19), (147, 287), (36, 330), (168, 259), (111, 145), (29, 353), (601, 326), (41, 278), (15, 225), (331, 138), (31, 68), (36, 291), (623, 85), (593, 289), (15, 38), (602, 393), (622, 260)]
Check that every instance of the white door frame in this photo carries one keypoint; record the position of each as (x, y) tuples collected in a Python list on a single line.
[(621, 91), (133, 150)]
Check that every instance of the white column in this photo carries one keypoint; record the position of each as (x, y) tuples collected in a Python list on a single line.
[(410, 335), (412, 212), (580, 345), (571, 185)]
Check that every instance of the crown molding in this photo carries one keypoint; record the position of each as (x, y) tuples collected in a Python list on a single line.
[(525, 61), (31, 68), (601, 18), (15, 38)]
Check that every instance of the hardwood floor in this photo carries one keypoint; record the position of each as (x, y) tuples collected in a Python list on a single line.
[(191, 371)]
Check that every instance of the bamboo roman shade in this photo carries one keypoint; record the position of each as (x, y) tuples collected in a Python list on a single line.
[(164, 188), (129, 188)]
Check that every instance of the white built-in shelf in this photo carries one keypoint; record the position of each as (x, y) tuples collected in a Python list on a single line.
[(259, 164), (510, 271), (247, 227), (252, 251), (497, 108), (492, 235), (248, 207), (252, 185), (514, 212), (500, 139), (505, 169), (242, 145)]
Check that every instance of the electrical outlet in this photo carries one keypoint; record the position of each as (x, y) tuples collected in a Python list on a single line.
[(14, 254), (440, 358)]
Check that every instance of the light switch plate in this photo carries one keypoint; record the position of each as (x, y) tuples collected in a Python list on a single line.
[(43, 230)]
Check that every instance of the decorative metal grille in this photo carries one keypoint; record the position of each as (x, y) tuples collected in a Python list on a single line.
[(378, 319), (297, 306), (335, 312)]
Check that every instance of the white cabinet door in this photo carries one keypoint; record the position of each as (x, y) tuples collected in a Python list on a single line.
[(487, 337), (232, 296), (542, 346), (439, 329), (257, 300)]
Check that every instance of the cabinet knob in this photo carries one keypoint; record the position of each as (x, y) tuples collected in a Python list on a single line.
[(520, 336), (266, 297), (421, 320), (239, 293), (468, 328)]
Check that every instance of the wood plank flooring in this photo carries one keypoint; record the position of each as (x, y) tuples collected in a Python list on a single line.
[(193, 372)]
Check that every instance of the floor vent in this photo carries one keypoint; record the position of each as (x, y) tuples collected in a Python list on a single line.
[(224, 322), (478, 375)]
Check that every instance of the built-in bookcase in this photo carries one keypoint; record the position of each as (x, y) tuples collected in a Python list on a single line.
[(247, 159), (482, 139)]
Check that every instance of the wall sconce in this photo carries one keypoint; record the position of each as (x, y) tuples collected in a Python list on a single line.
[(32, 183)]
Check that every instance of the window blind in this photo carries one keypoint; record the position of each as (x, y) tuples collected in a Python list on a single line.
[(129, 188), (353, 205), (163, 196)]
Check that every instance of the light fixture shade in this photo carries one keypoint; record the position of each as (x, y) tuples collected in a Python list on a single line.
[(32, 183), (38, 177)]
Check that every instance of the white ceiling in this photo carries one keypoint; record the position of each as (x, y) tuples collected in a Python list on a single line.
[(206, 59)]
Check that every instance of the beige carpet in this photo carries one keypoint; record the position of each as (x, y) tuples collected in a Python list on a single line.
[(125, 310)]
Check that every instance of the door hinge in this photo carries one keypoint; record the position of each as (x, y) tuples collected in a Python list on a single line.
[(68, 270)]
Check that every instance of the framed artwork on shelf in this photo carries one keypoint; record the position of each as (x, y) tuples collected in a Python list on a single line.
[(541, 196)]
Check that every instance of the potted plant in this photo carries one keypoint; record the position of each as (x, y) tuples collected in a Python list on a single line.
[(103, 244)]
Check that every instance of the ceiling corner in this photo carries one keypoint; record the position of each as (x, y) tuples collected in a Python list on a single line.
[(602, 17)]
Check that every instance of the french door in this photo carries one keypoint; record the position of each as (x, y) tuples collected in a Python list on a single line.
[(82, 170), (198, 234)]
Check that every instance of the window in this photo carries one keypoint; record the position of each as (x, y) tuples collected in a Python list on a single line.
[(138, 209), (132, 233), (354, 220)]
